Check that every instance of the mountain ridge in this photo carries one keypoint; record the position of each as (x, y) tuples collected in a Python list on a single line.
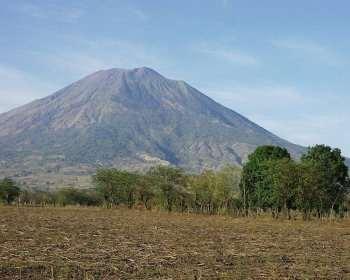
[(128, 119)]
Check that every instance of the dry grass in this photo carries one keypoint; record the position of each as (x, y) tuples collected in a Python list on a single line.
[(57, 243)]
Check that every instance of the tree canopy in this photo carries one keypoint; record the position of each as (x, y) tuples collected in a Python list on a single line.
[(9, 190), (271, 181), (256, 189), (328, 166)]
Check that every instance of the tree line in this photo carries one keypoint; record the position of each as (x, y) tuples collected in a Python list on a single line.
[(317, 184), (270, 181)]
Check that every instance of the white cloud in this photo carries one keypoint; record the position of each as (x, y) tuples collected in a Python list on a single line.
[(69, 13), (140, 14), (309, 49), (51, 11), (229, 54)]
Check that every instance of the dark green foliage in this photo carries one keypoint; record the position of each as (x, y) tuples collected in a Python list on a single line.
[(169, 188), (170, 183), (38, 197), (116, 186), (71, 196), (146, 191), (264, 153), (309, 192), (9, 191), (283, 177), (332, 174), (216, 192), (318, 184), (255, 185)]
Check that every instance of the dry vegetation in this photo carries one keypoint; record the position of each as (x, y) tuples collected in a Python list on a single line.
[(78, 243)]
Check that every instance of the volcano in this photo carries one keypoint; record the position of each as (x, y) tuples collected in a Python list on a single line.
[(129, 119)]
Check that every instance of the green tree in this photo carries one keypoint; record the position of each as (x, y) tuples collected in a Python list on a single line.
[(283, 177), (332, 175), (226, 190), (215, 192), (9, 190), (170, 183), (309, 194), (116, 186), (146, 191), (202, 187), (255, 187)]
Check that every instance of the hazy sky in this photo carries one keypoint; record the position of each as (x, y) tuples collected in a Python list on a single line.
[(283, 64)]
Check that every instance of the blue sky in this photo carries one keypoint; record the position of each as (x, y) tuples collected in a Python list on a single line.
[(283, 64)]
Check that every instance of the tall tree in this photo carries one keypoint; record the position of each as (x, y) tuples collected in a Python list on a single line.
[(284, 177), (146, 190), (333, 184), (255, 188), (226, 191), (309, 194), (170, 182), (116, 186)]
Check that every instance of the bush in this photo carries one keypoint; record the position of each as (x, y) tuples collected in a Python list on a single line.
[(9, 190)]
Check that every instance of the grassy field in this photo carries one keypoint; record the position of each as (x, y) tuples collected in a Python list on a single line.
[(66, 243)]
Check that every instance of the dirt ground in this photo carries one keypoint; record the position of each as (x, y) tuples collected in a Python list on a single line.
[(92, 243)]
